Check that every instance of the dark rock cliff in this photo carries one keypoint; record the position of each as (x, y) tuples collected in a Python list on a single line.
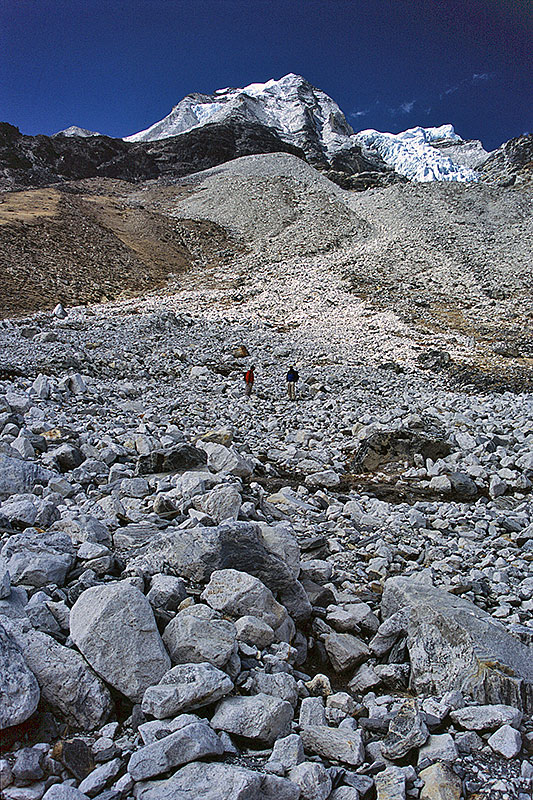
[(43, 160)]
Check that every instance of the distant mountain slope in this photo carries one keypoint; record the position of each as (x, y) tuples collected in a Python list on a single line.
[(301, 114)]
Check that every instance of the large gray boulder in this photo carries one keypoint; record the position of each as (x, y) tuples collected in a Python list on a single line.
[(197, 634), (196, 553), (18, 476), (187, 744), (486, 718), (19, 690), (38, 558), (226, 460), (345, 651), (455, 645), (334, 743), (115, 629), (199, 781), (221, 503), (260, 717), (276, 684), (67, 683), (237, 593), (186, 688)]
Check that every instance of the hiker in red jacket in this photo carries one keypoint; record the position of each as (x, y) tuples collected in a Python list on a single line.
[(249, 381)]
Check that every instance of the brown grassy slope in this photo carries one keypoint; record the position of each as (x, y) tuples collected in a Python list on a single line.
[(88, 244)]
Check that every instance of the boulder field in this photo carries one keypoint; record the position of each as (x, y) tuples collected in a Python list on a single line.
[(209, 596)]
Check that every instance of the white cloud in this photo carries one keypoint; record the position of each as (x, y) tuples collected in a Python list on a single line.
[(477, 77), (404, 108), (362, 113)]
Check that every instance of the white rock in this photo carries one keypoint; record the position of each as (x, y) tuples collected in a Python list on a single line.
[(506, 741)]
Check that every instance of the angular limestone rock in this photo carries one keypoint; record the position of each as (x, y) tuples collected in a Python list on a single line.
[(313, 780), (333, 743), (506, 741), (486, 718), (260, 717), (196, 635), (237, 593), (19, 690), (67, 683), (440, 783), (115, 629), (186, 688), (217, 782), (390, 784), (187, 744), (455, 645), (406, 731)]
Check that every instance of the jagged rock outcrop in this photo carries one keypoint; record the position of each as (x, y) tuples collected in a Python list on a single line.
[(511, 164)]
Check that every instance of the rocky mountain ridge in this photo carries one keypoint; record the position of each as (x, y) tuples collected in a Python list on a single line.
[(512, 163), (277, 116), (43, 160)]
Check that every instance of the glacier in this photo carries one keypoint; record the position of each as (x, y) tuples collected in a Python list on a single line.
[(410, 153), (308, 118)]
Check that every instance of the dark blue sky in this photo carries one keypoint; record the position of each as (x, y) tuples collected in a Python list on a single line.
[(117, 66)]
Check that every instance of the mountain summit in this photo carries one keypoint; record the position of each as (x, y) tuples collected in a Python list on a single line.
[(308, 118), (300, 114)]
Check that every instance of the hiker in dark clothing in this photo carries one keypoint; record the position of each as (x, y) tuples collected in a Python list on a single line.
[(292, 377), (249, 381)]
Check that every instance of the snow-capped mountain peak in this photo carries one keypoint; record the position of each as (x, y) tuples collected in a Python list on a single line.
[(74, 130), (291, 105), (308, 118)]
